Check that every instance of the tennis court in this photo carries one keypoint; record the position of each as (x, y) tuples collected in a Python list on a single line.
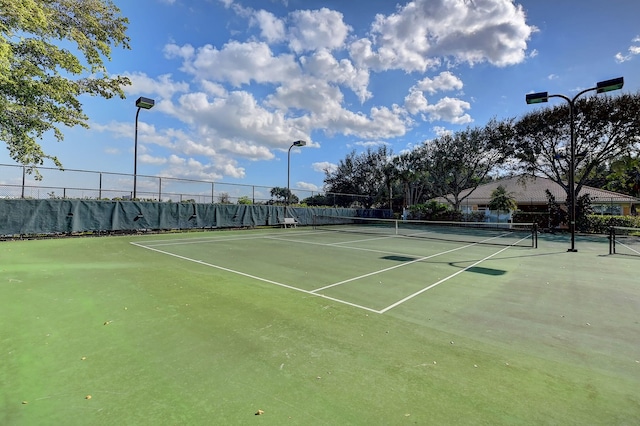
[(371, 269), (314, 325)]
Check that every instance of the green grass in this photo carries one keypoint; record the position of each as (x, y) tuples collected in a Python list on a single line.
[(527, 337)]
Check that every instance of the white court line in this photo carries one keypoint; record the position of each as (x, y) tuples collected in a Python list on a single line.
[(338, 245), (627, 247), (408, 263), (314, 292), (202, 240), (391, 268), (386, 237), (417, 293), (255, 277), (198, 241)]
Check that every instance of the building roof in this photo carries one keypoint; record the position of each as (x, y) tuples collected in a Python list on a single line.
[(532, 190)]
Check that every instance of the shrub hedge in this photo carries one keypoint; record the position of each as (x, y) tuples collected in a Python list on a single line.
[(598, 224)]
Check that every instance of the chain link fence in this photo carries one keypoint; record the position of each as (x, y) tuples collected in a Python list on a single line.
[(16, 182)]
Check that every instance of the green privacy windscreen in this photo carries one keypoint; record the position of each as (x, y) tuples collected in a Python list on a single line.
[(33, 217)]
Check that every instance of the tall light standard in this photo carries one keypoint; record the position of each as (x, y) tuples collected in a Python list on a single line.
[(141, 103), (536, 98), (296, 143)]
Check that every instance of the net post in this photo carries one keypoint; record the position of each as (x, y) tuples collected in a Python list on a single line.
[(612, 240), (396, 225), (534, 235)]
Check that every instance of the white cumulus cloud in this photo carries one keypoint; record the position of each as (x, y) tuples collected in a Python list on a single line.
[(423, 33), (324, 166), (317, 29), (272, 28), (632, 51)]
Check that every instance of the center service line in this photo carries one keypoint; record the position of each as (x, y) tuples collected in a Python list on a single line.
[(399, 302)]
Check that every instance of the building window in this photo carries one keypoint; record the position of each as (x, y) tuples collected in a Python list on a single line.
[(607, 209)]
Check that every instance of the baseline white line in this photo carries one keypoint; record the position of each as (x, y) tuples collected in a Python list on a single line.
[(182, 243), (255, 277), (203, 240), (417, 293)]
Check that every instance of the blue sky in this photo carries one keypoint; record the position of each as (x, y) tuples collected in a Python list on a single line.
[(237, 81)]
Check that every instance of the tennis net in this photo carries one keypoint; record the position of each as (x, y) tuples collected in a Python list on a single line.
[(624, 240), (518, 234)]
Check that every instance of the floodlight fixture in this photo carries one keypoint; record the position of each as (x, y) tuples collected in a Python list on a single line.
[(537, 98), (141, 103), (296, 143), (145, 103), (540, 97), (609, 85)]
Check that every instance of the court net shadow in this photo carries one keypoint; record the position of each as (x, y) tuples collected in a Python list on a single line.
[(486, 271), (399, 258)]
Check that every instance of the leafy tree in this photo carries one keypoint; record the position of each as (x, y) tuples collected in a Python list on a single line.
[(282, 195), (244, 200), (583, 210), (224, 198), (362, 174), (433, 210), (501, 200), (318, 200), (389, 173), (606, 128), (463, 160), (411, 170), (624, 175), (342, 180), (41, 81), (557, 215)]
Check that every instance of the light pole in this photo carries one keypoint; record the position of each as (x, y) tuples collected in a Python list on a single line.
[(296, 143), (141, 103), (536, 98)]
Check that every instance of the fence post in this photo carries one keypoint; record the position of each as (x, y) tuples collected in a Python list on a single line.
[(159, 189), (100, 188), (24, 172)]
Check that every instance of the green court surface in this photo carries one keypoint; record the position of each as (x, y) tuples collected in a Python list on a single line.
[(316, 327)]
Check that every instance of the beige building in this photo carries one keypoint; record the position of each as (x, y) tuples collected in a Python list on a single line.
[(530, 195)]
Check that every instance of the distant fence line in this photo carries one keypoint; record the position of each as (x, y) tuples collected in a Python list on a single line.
[(15, 182)]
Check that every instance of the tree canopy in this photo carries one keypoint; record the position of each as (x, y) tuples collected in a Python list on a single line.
[(367, 174), (607, 131), (41, 79), (283, 195), (411, 171), (463, 160), (624, 175), (502, 200), (606, 128)]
